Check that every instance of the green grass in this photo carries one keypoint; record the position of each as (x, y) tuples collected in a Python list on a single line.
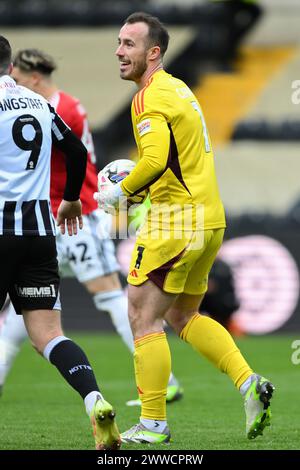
[(39, 411)]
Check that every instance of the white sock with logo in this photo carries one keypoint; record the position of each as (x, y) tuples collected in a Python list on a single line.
[(245, 385), (13, 328), (90, 401), (12, 335), (116, 304), (154, 425)]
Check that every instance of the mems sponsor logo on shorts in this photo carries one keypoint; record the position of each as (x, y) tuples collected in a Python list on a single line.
[(48, 291)]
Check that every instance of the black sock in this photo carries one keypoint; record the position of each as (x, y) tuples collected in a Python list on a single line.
[(74, 366)]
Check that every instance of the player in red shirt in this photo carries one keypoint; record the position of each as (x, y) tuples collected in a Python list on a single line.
[(90, 255), (75, 116)]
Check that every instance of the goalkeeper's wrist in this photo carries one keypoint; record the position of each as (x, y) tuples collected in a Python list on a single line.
[(125, 192)]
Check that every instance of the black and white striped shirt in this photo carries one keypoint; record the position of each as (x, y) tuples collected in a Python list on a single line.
[(28, 126)]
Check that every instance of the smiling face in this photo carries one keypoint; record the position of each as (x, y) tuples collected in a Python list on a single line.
[(133, 51)]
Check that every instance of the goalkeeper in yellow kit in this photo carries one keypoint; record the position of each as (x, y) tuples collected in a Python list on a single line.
[(182, 234)]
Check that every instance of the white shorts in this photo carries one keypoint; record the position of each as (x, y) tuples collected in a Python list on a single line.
[(90, 253)]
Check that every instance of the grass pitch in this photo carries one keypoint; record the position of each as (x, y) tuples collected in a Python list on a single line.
[(39, 411)]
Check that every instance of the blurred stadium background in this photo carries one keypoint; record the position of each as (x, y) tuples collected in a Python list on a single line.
[(242, 60)]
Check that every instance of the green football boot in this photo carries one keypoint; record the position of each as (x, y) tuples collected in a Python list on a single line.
[(257, 406), (106, 433)]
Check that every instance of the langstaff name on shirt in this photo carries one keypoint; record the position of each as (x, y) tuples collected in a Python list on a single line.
[(20, 103)]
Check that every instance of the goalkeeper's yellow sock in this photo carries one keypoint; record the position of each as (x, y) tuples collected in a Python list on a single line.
[(152, 361), (212, 340)]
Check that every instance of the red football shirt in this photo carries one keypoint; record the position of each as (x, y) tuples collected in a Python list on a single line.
[(74, 115)]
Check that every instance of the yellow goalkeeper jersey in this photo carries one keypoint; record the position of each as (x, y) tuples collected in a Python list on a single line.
[(176, 161)]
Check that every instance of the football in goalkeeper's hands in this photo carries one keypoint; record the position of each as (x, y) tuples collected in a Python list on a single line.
[(116, 171)]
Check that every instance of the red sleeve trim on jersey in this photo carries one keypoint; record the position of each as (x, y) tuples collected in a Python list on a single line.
[(135, 106), (138, 101)]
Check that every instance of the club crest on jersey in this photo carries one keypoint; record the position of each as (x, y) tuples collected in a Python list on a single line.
[(144, 126)]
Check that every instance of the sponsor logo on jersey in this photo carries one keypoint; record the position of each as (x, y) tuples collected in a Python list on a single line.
[(144, 126), (48, 291)]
